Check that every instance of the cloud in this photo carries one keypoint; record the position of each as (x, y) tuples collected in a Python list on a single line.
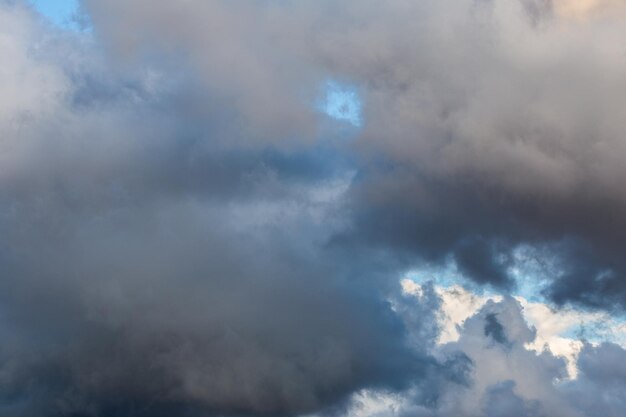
[(473, 142), (512, 378), (183, 232), (148, 270), (584, 9)]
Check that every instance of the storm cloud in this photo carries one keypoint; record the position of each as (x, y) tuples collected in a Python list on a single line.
[(487, 125), (183, 231)]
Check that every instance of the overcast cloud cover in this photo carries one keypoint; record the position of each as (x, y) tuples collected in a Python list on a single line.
[(185, 231)]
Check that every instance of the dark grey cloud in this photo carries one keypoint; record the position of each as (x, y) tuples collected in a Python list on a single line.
[(147, 271), (494, 329), (182, 232), (474, 141), (150, 267)]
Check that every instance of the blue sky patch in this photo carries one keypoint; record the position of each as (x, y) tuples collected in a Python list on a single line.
[(60, 12), (342, 103)]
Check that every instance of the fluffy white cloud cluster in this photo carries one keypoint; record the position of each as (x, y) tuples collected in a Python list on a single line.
[(520, 363)]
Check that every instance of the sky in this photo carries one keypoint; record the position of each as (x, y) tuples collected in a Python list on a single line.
[(60, 12), (312, 208)]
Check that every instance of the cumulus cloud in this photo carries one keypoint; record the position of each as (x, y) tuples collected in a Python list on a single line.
[(506, 376), (183, 232)]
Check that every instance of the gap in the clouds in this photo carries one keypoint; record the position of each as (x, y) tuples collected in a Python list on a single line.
[(447, 275), (62, 13), (443, 275), (342, 102), (530, 271)]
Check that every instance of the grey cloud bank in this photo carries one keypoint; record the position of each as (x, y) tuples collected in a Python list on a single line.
[(487, 124), (183, 233)]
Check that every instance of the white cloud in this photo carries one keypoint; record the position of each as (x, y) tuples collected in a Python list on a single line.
[(560, 330)]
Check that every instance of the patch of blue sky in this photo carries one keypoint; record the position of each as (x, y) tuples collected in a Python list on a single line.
[(62, 13), (342, 102), (445, 276), (528, 285), (533, 270), (598, 328), (530, 271)]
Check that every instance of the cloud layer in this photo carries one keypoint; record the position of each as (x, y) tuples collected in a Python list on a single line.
[(183, 232)]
